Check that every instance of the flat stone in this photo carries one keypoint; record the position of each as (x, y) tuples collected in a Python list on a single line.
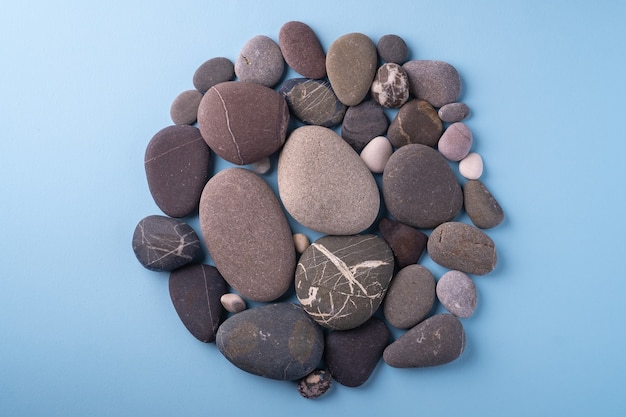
[(341, 280), (455, 142), (481, 206), (392, 48), (471, 167), (233, 303), (352, 355), (436, 82), (184, 108), (453, 112), (195, 291), (247, 234), (410, 297), (419, 187), (243, 122), (212, 72), (457, 293), (437, 340), (177, 167), (324, 184), (463, 247), (277, 341), (363, 123), (390, 87), (162, 243), (315, 384), (302, 49), (313, 101), (376, 154), (416, 122), (406, 242), (260, 61)]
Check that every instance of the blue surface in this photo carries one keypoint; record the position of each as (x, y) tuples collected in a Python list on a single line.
[(86, 331)]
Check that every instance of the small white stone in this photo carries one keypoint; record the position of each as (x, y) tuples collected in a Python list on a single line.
[(263, 166), (471, 167), (376, 154), (301, 242), (233, 302)]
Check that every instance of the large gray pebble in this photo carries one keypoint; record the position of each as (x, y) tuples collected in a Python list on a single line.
[(260, 61), (410, 297), (437, 82)]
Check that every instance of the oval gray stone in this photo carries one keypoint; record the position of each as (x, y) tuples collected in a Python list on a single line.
[(436, 82), (463, 247), (260, 61), (392, 48), (481, 206), (247, 234), (410, 297), (184, 108), (457, 293), (454, 112), (212, 72), (416, 122), (277, 341), (390, 87), (302, 49), (313, 101), (341, 280), (419, 187), (362, 123)]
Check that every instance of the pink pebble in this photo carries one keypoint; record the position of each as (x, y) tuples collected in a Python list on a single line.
[(376, 154), (471, 167), (456, 142)]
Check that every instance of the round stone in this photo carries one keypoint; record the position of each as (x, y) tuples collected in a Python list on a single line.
[(457, 293), (453, 112), (301, 242), (212, 72), (315, 384), (406, 242), (481, 207), (456, 142), (313, 101), (410, 297), (392, 48), (184, 109), (302, 49), (260, 61), (376, 154), (436, 82), (471, 167), (363, 123), (233, 303), (416, 122), (390, 87)]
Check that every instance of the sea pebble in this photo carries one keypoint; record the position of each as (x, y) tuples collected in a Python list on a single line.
[(436, 82), (392, 48), (457, 293), (390, 87), (410, 297), (313, 101), (262, 166), (406, 242), (481, 207), (212, 72), (376, 154), (301, 242), (315, 384), (453, 112), (471, 167), (416, 122), (233, 303), (302, 49), (363, 123), (455, 142), (184, 109), (260, 61)]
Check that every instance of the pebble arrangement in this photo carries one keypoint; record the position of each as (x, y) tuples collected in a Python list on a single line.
[(364, 274)]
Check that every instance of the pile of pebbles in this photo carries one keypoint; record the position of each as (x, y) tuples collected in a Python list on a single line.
[(382, 193)]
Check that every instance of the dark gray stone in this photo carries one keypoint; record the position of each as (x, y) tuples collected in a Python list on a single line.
[(457, 293), (315, 384), (416, 122), (363, 123), (410, 297), (454, 112), (302, 49), (481, 206), (184, 108), (436, 82), (390, 87), (406, 242), (260, 61), (392, 48), (212, 72), (313, 101)]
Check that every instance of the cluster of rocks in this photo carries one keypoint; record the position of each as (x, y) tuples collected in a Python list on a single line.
[(363, 275)]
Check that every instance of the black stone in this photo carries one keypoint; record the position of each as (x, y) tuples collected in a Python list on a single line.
[(363, 123), (406, 242), (392, 48)]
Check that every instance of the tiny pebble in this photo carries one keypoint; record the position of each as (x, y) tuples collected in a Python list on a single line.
[(184, 109), (263, 166), (454, 112), (376, 154), (471, 167), (301, 242), (457, 293), (315, 384), (233, 303)]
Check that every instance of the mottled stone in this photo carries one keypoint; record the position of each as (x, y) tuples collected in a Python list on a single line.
[(436, 82), (376, 154), (324, 184), (212, 72), (454, 112), (351, 64), (410, 297), (390, 87), (243, 122), (301, 242), (463, 247), (457, 293), (161, 243), (233, 303), (313, 101), (363, 123), (341, 280), (392, 48), (406, 242), (416, 122), (247, 234), (177, 167), (195, 291), (277, 341), (419, 187), (456, 142), (260, 61), (302, 49), (315, 384), (184, 108), (481, 206), (437, 340), (471, 167), (352, 355)]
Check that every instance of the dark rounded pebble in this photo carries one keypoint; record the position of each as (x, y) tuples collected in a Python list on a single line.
[(392, 48), (410, 297), (313, 101), (363, 123), (416, 122), (406, 242), (481, 207), (212, 72), (184, 109)]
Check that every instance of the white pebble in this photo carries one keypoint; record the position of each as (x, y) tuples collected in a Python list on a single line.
[(262, 166), (376, 154), (301, 242), (233, 302), (471, 167)]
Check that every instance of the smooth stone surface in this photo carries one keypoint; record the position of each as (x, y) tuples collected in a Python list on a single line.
[(315, 384), (352, 355), (416, 122), (463, 247), (455, 142), (437, 340), (195, 291), (161, 243), (392, 48), (363, 123), (260, 61), (419, 187), (247, 234), (376, 154), (243, 122), (212, 72), (233, 303), (481, 206), (471, 167), (184, 108), (410, 297), (313, 101), (324, 184), (457, 293), (277, 341), (341, 280), (390, 87), (301, 242), (406, 242), (177, 167), (262, 166), (351, 63), (454, 112), (302, 49), (436, 82)]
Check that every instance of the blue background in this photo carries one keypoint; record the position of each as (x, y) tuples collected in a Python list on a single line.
[(86, 331)]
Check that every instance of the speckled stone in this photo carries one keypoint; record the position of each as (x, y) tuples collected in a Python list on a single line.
[(302, 49), (212, 72), (260, 61), (376, 154), (456, 142), (454, 112), (184, 108), (315, 384), (390, 87), (471, 167), (457, 293), (341, 280), (436, 82), (481, 206), (416, 122), (313, 101), (233, 303), (406, 242), (363, 123), (410, 297), (392, 48), (277, 341)]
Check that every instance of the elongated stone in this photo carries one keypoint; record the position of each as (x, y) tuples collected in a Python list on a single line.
[(302, 49), (481, 206), (436, 82), (410, 297), (212, 72)]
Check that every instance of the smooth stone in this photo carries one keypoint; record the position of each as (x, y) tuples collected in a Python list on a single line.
[(436, 82), (471, 167), (302, 49), (313, 101), (481, 207), (454, 112), (363, 123), (392, 48), (410, 297), (301, 242), (406, 242), (341, 280), (352, 355), (457, 293), (243, 122), (376, 154), (390, 87), (438, 340), (416, 122), (324, 184), (260, 61), (247, 234), (195, 291), (212, 72), (315, 384), (277, 341), (463, 247), (263, 166), (419, 187), (162, 243), (233, 303), (177, 167), (351, 63), (184, 108), (455, 142)]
